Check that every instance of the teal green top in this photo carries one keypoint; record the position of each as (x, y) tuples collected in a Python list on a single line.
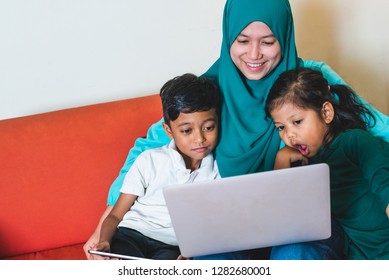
[(359, 177), (248, 141)]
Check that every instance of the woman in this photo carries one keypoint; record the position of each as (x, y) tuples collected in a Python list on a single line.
[(258, 44)]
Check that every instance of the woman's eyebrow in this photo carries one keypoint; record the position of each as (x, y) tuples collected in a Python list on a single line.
[(263, 37)]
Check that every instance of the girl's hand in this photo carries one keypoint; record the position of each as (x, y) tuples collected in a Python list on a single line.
[(286, 156), (182, 258)]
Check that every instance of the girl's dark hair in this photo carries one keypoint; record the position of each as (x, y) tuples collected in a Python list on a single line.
[(308, 89), (188, 94)]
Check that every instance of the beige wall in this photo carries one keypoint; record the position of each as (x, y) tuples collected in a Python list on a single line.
[(353, 38)]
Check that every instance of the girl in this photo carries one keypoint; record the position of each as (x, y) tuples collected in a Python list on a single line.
[(332, 129)]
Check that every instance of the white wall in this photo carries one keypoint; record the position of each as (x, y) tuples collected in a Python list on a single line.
[(61, 53), (57, 54)]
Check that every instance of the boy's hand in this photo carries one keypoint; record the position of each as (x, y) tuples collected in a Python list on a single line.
[(387, 211), (90, 244), (286, 156), (101, 246)]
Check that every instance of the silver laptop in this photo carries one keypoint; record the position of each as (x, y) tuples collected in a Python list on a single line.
[(251, 211)]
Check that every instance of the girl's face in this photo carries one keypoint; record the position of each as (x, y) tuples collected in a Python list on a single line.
[(302, 129), (256, 51)]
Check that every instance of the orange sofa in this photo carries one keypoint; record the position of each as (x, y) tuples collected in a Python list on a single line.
[(55, 172)]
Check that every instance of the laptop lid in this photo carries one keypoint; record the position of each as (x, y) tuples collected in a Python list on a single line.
[(251, 211)]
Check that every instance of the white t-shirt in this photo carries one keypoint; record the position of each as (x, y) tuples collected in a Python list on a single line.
[(153, 170)]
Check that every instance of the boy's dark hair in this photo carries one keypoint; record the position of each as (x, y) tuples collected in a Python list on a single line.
[(307, 88), (188, 94)]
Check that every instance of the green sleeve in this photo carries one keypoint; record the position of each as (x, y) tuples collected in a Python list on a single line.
[(373, 156)]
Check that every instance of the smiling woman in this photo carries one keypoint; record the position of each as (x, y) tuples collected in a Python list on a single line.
[(256, 51)]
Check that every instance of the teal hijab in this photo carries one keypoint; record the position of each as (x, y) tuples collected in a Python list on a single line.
[(248, 139)]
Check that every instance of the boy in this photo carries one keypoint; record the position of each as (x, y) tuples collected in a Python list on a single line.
[(139, 224)]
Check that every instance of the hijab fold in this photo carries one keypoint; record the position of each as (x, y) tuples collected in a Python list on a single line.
[(248, 139)]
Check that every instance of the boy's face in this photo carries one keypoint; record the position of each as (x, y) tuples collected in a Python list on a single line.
[(195, 135)]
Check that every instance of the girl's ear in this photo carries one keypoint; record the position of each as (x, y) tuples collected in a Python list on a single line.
[(167, 130), (328, 112)]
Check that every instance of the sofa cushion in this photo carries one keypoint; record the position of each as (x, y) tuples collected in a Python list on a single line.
[(74, 252), (56, 169)]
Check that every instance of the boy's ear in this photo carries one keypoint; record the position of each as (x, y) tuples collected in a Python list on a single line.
[(328, 112), (167, 130)]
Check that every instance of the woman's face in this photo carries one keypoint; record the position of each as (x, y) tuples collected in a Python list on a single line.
[(256, 51)]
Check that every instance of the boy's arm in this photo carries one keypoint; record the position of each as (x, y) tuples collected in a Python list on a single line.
[(134, 185), (156, 137), (381, 127), (113, 219), (94, 238)]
